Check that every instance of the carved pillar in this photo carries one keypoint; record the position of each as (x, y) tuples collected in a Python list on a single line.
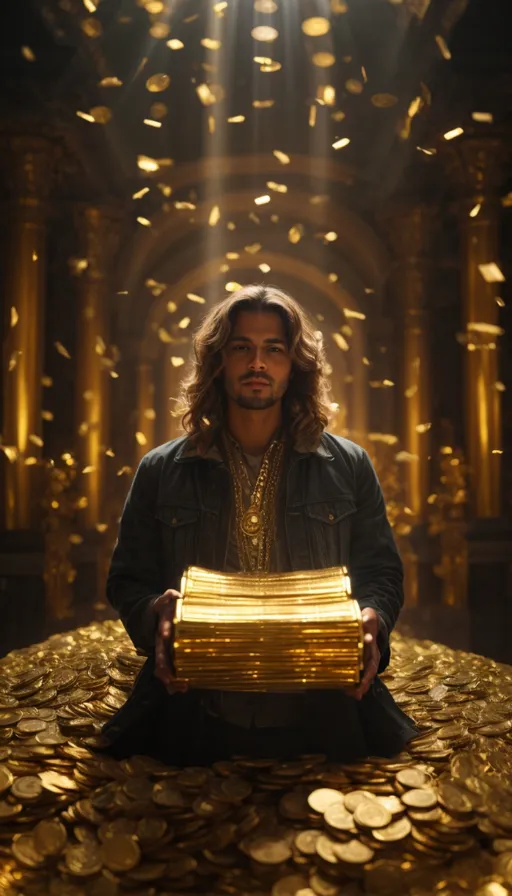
[(145, 408), (411, 231), (97, 230), (477, 162), (25, 271)]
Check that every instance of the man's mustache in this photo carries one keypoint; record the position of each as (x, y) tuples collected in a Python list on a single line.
[(251, 379)]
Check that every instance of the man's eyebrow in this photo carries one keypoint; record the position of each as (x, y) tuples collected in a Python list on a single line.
[(271, 339)]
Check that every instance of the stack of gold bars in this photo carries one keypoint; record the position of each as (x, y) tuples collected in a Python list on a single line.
[(270, 632)]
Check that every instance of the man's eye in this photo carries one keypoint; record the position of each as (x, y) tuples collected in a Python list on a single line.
[(275, 348), (239, 347)]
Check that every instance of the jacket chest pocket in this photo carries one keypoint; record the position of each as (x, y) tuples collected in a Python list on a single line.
[(329, 525), (179, 528)]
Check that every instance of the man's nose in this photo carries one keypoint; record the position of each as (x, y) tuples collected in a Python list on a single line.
[(257, 361)]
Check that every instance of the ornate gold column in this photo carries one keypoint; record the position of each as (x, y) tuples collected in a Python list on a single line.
[(478, 166), (25, 271), (146, 414), (98, 231), (411, 230)]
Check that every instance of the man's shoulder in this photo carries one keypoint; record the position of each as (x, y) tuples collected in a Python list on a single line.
[(343, 448), (162, 453)]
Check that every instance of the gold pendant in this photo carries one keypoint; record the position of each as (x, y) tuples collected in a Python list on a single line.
[(251, 521)]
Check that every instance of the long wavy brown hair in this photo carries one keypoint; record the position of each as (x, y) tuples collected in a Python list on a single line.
[(306, 407)]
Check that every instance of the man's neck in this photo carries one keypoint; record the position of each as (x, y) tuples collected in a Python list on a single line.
[(254, 430)]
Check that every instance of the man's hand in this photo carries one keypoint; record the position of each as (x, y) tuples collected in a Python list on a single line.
[(371, 653), (164, 608)]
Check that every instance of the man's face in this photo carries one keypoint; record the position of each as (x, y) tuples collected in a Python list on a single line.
[(257, 362)]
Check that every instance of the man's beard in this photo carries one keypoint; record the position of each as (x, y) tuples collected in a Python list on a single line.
[(255, 402)]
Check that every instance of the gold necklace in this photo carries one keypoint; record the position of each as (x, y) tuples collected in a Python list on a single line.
[(255, 526)]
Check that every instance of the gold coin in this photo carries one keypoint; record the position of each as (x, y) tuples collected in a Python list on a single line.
[(419, 799), (91, 27), (353, 86), (269, 850), (370, 814), (339, 818), (50, 837), (412, 777), (355, 797), (120, 852), (395, 831), (323, 60), (24, 851), (166, 794), (101, 114), (264, 33), (158, 83), (27, 788), (392, 804), (294, 805), (320, 800), (9, 810), (236, 788), (384, 100), (316, 26), (305, 841), (354, 852), (454, 798), (6, 778), (322, 886), (325, 849), (8, 718), (158, 111), (31, 726), (265, 6), (83, 859), (290, 885)]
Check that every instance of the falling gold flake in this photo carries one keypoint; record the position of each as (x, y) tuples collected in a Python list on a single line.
[(144, 221), (423, 427), (100, 347), (185, 206), (110, 81), (491, 272), (175, 44), (154, 7), (271, 66), (354, 86), (264, 33), (427, 152), (145, 163), (28, 54), (405, 457), (158, 111), (333, 278), (475, 210), (496, 451), (211, 124), (341, 143), (232, 256), (253, 217), (482, 117), (14, 316), (91, 27), (191, 19), (220, 7), (411, 391), (312, 116), (455, 132), (499, 386), (278, 188), (141, 438), (164, 336), (156, 288), (193, 298), (36, 440), (101, 114), (384, 100), (85, 116), (326, 95), (263, 104), (253, 248), (320, 199), (46, 381), (158, 83), (500, 302), (214, 216), (140, 193), (184, 322), (236, 119), (224, 268), (159, 30), (323, 59), (267, 7), (210, 93), (11, 452), (211, 44), (62, 350), (415, 106), (341, 342), (281, 157), (296, 233), (152, 123), (339, 115), (357, 315), (176, 361), (90, 5), (233, 286), (262, 60), (124, 471), (339, 7), (443, 47), (262, 200), (484, 327), (316, 26), (171, 307), (331, 236)]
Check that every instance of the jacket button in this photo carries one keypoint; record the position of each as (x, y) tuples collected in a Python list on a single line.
[(331, 516)]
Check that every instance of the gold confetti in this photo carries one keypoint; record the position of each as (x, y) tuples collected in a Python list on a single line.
[(158, 111), (90, 5), (264, 268), (76, 539), (262, 60), (145, 163), (333, 278), (491, 272), (111, 81), (423, 427), (295, 233), (101, 527), (152, 123), (339, 7), (236, 119), (171, 307), (499, 386), (339, 144), (211, 124), (338, 115), (263, 104), (326, 95), (411, 391), (11, 452), (268, 7), (185, 206), (341, 342), (177, 362), (85, 116), (455, 132), (47, 415), (232, 256), (482, 117), (175, 44), (331, 236), (405, 457), (349, 313), (253, 249), (500, 302), (233, 286), (220, 7), (28, 54), (210, 93), (144, 221), (101, 114), (312, 116), (214, 216), (91, 27), (483, 327), (150, 414), (354, 86), (159, 30), (271, 66), (36, 440), (278, 188), (264, 33), (14, 316), (474, 211), (427, 152), (496, 451), (158, 83), (384, 100), (211, 44), (193, 298), (164, 336), (281, 157), (62, 350), (141, 438), (443, 47), (140, 193), (262, 200), (184, 322), (316, 26), (323, 59)]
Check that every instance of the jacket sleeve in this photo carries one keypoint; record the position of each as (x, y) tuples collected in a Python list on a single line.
[(136, 575), (375, 565)]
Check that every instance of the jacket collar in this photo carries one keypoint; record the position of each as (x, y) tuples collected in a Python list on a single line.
[(187, 451)]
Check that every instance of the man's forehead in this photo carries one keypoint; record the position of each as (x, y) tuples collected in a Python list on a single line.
[(264, 323)]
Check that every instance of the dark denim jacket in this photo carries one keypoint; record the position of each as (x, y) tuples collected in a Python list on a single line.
[(177, 514)]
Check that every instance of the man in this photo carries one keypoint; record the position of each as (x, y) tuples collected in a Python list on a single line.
[(256, 407)]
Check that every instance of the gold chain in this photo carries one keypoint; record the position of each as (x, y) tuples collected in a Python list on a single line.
[(255, 526)]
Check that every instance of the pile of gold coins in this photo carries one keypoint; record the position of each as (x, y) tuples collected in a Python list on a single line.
[(230, 635), (436, 819)]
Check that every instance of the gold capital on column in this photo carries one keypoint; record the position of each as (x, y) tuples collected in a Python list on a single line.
[(97, 227), (476, 163), (29, 160), (410, 230)]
